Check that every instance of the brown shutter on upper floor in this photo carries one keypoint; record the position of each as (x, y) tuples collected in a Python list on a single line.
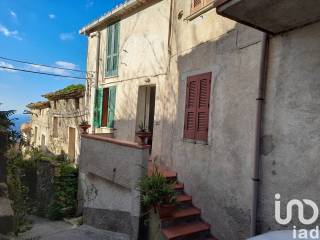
[(202, 117), (191, 108)]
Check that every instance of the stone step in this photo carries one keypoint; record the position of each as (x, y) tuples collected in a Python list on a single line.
[(186, 212), (181, 216), (184, 198), (184, 201), (189, 231), (178, 186), (171, 175)]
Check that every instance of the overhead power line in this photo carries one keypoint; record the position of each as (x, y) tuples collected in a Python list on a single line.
[(42, 65), (42, 73)]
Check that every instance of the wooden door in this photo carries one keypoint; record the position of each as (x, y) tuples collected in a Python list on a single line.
[(43, 142), (72, 144)]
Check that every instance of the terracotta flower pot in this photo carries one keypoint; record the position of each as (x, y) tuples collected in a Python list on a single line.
[(84, 128), (166, 210), (143, 136)]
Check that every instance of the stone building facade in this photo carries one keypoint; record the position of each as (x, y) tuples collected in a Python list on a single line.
[(55, 123), (185, 44)]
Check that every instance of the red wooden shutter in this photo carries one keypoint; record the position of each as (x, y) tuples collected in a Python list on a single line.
[(202, 116), (191, 108), (105, 104)]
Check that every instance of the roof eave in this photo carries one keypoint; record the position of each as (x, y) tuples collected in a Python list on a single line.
[(113, 15)]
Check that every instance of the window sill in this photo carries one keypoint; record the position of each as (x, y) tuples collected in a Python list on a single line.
[(201, 11), (107, 128), (110, 77), (193, 141)]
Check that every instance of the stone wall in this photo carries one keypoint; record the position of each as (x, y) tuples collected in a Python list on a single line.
[(68, 117), (44, 187), (109, 172)]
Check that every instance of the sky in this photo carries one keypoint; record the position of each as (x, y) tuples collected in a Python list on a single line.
[(45, 32)]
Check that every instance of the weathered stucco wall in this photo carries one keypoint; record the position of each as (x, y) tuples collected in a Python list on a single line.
[(216, 174), (142, 61), (68, 117), (290, 162), (109, 174)]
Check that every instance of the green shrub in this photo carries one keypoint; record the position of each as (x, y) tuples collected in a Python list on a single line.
[(65, 192), (18, 192), (155, 189), (59, 202)]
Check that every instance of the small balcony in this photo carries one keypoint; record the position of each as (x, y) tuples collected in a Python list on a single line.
[(271, 16)]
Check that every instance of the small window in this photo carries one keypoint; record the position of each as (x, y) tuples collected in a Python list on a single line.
[(55, 127), (112, 56), (197, 107), (104, 109), (77, 103), (55, 104), (197, 5)]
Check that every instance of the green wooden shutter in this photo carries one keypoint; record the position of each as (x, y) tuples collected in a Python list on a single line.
[(112, 59), (111, 106), (98, 108)]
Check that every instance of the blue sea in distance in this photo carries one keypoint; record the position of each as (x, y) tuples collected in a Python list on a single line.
[(19, 119)]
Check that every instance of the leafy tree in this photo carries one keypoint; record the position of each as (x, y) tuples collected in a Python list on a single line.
[(8, 136)]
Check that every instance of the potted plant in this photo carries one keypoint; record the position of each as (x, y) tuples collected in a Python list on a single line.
[(84, 125), (158, 193), (143, 133)]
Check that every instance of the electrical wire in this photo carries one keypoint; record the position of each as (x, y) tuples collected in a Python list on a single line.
[(42, 73), (42, 65)]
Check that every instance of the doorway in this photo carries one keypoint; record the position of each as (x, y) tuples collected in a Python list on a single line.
[(35, 135), (72, 144), (43, 143), (146, 109)]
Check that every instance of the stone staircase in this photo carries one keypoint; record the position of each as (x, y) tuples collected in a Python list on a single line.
[(186, 222)]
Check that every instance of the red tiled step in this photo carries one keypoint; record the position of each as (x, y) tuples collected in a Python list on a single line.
[(163, 170), (169, 174), (185, 230), (187, 212), (183, 198), (178, 186)]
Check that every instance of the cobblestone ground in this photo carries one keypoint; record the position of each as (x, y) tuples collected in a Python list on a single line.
[(59, 230)]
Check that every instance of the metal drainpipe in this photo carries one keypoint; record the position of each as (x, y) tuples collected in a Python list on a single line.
[(258, 131), (95, 86)]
